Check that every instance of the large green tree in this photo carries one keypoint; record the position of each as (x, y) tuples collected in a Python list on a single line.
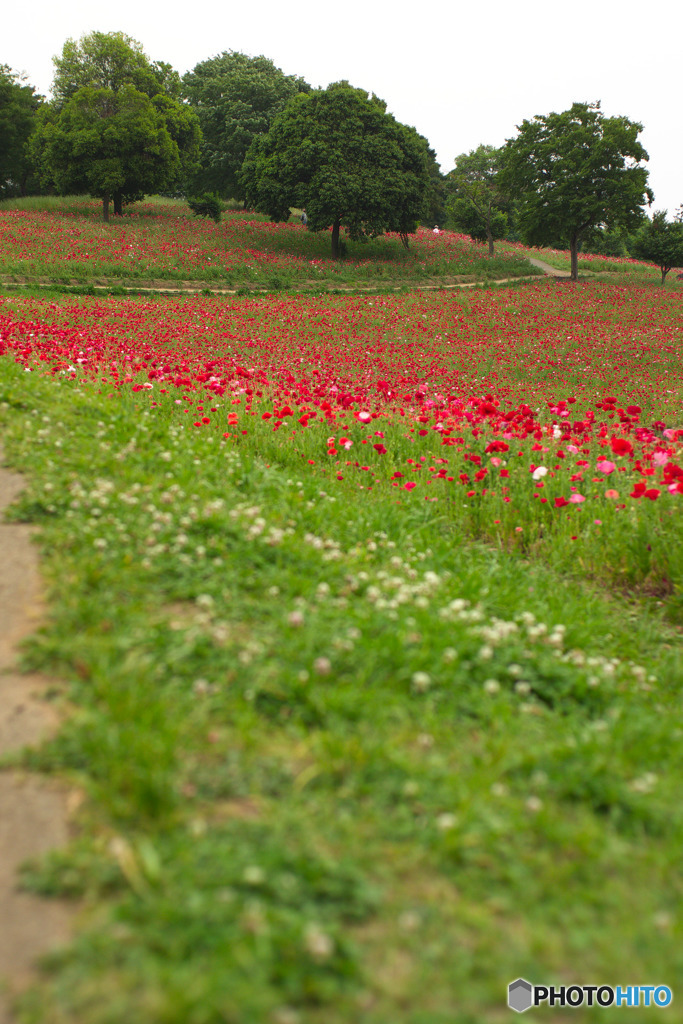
[(236, 98), (338, 153), (18, 106), (660, 242), (115, 128), (114, 145), (477, 204), (573, 171)]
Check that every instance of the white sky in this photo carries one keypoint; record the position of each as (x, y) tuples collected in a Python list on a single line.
[(462, 74)]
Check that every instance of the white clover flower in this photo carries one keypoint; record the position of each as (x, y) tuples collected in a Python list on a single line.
[(253, 875), (318, 943), (421, 681), (446, 821), (492, 686), (409, 920), (645, 784), (534, 804), (295, 618), (323, 666)]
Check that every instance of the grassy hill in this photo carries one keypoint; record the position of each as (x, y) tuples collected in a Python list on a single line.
[(160, 241)]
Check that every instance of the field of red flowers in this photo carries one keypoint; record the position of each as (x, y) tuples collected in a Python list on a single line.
[(162, 241), (547, 412), (330, 698)]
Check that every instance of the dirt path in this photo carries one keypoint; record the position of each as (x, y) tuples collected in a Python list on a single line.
[(547, 269), (33, 812), (201, 287)]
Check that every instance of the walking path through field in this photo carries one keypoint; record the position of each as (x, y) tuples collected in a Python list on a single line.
[(33, 812), (547, 269), (195, 287)]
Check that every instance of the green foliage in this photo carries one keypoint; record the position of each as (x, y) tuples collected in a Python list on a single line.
[(575, 171), (660, 242), (608, 242), (208, 204), (109, 60), (434, 211), (477, 204), (465, 217), (109, 143), (115, 128), (18, 106), (236, 98), (337, 153)]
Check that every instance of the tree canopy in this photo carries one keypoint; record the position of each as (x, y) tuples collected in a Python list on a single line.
[(116, 129), (337, 153), (573, 171), (18, 105), (660, 242), (109, 60), (477, 204), (236, 98)]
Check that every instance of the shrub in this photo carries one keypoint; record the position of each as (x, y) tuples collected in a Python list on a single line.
[(208, 204)]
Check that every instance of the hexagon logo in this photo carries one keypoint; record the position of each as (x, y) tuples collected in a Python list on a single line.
[(520, 995)]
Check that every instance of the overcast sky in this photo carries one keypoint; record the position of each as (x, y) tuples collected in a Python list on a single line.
[(462, 74)]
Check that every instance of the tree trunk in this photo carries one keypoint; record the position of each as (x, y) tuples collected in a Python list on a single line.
[(105, 209), (574, 249), (335, 239), (490, 240), (118, 204), (664, 273)]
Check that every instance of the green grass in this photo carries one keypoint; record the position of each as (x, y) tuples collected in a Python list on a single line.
[(340, 765)]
